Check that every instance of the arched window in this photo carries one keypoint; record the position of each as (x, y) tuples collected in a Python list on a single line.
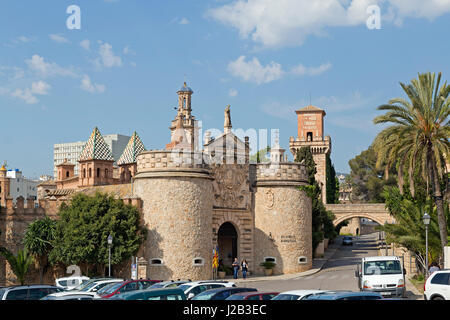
[(90, 172), (67, 174), (309, 136), (98, 172), (106, 173), (302, 260), (156, 262), (84, 173), (197, 262)]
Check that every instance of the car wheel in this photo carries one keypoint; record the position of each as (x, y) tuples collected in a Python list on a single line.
[(437, 298)]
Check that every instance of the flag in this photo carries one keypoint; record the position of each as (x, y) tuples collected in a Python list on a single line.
[(215, 261)]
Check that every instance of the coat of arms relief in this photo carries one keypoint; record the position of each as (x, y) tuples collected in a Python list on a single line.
[(231, 187)]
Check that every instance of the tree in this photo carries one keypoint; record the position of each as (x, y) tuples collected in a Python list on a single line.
[(332, 182), (418, 137), (409, 230), (322, 220), (259, 156), (84, 226), (19, 263), (367, 181), (38, 240)]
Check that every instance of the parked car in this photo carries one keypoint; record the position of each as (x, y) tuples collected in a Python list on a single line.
[(192, 289), (345, 296), (125, 286), (296, 294), (31, 292), (169, 284), (69, 283), (73, 296), (382, 274), (221, 293), (87, 283), (347, 241), (92, 286), (437, 286), (152, 294), (252, 296)]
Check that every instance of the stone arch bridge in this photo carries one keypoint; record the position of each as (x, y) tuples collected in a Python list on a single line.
[(374, 211)]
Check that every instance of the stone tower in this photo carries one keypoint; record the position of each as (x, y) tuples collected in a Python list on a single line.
[(96, 162), (4, 186), (177, 193), (283, 220), (311, 134), (65, 170), (184, 123)]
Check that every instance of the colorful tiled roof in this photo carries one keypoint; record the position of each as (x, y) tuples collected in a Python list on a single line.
[(132, 150), (96, 148)]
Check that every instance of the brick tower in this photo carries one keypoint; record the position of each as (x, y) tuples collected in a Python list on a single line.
[(4, 186), (311, 134)]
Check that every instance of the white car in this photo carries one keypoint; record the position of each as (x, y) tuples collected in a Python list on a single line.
[(437, 286), (93, 286), (296, 294), (70, 296), (191, 289), (69, 283)]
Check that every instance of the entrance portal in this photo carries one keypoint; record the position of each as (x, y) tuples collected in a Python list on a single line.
[(227, 239)]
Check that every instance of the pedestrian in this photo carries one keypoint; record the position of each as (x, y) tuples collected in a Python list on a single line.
[(235, 266), (434, 267), (244, 266)]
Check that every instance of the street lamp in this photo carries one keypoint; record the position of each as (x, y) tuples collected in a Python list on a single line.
[(426, 221), (110, 239)]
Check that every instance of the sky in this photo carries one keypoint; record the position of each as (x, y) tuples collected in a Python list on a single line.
[(121, 67)]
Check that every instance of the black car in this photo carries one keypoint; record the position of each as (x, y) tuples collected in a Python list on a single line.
[(221, 293), (347, 241), (31, 292)]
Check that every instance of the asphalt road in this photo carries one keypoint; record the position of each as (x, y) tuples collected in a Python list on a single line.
[(338, 273)]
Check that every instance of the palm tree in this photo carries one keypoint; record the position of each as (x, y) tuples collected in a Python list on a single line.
[(38, 240), (417, 140), (19, 264)]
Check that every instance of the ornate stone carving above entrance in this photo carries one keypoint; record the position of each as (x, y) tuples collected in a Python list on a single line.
[(231, 186), (269, 198)]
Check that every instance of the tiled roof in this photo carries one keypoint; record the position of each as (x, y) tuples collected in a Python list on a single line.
[(310, 108), (60, 192), (132, 150), (96, 148)]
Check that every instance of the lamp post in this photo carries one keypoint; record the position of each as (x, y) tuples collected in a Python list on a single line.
[(110, 239), (426, 221)]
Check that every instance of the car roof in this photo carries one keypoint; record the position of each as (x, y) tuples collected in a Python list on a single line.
[(381, 258), (156, 291), (337, 295), (228, 288), (30, 286), (71, 293), (302, 292), (175, 281), (110, 280), (254, 293), (209, 282), (73, 277)]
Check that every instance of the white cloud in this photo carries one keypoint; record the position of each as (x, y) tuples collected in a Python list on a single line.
[(128, 50), (184, 21), (86, 44), (233, 93), (311, 71), (289, 22), (88, 86), (58, 38), (107, 58), (29, 95), (253, 71), (47, 69)]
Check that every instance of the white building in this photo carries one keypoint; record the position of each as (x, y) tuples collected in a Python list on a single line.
[(21, 186), (72, 150)]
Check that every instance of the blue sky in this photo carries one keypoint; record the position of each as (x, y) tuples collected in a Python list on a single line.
[(265, 58)]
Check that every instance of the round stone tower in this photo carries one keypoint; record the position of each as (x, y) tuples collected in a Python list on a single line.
[(283, 217), (177, 195)]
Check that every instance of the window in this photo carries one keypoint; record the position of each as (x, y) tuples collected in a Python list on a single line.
[(130, 287), (67, 174), (270, 259), (84, 173), (256, 297), (302, 260), (268, 296), (98, 172), (156, 262), (90, 172), (37, 293), (441, 278), (309, 136), (198, 262), (172, 297), (106, 173), (20, 294), (222, 295)]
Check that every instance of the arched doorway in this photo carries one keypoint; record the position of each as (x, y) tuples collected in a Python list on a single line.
[(227, 240)]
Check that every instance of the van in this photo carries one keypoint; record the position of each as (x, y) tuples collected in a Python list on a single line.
[(382, 274)]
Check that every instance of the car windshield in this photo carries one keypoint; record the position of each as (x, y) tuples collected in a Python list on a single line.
[(382, 267), (83, 285), (89, 286), (157, 285), (205, 295), (110, 288), (286, 297)]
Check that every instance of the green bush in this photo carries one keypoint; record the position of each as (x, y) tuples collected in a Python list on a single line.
[(267, 264)]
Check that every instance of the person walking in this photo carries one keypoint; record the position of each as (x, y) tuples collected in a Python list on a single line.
[(235, 266), (434, 267), (244, 266)]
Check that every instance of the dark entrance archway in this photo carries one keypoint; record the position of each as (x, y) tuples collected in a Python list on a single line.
[(227, 240)]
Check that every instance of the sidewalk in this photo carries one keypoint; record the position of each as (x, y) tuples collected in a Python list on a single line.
[(317, 265)]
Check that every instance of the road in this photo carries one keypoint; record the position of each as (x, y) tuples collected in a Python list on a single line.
[(338, 273)]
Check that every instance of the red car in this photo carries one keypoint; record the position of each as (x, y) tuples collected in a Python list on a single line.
[(252, 296), (126, 286)]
